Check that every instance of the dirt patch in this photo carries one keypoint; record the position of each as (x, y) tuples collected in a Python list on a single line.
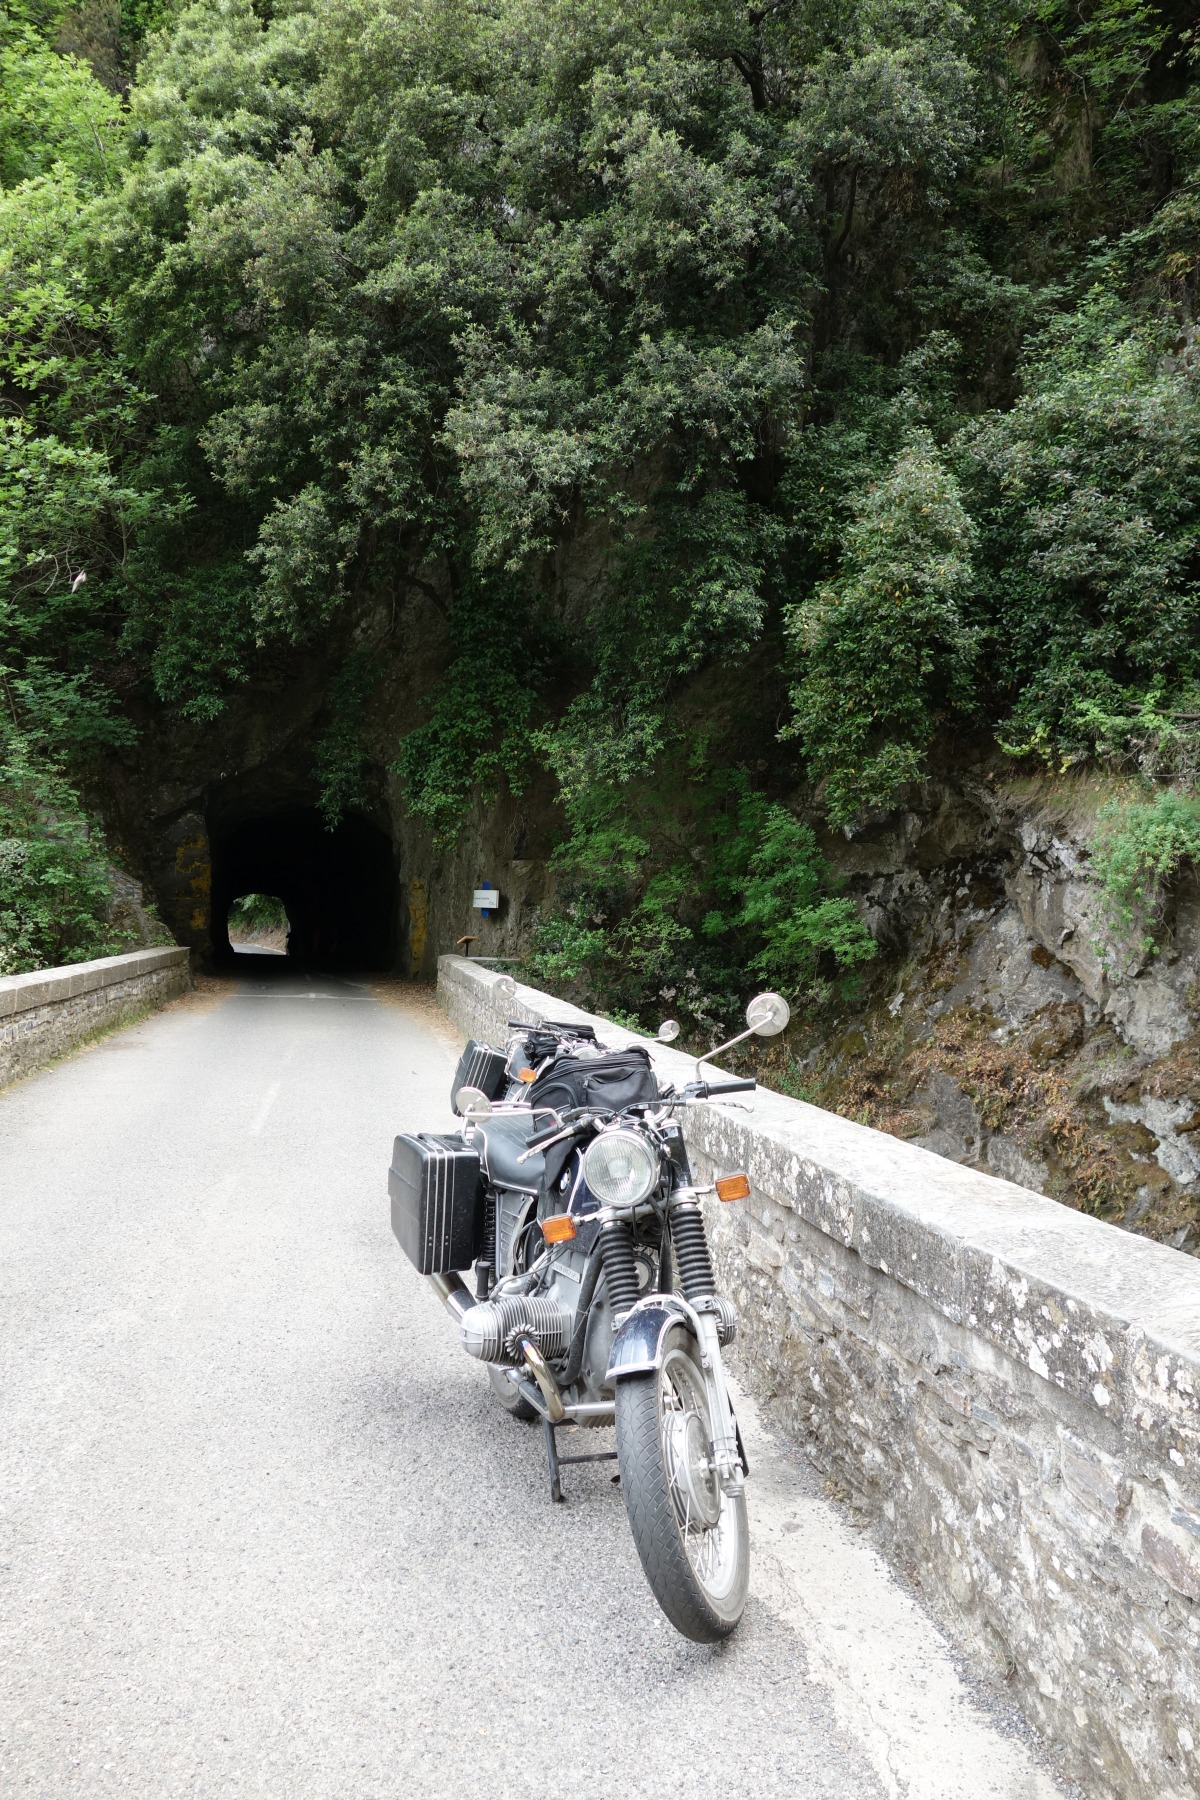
[(205, 995), (419, 1000)]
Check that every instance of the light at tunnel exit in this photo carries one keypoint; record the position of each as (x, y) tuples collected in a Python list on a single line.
[(338, 888)]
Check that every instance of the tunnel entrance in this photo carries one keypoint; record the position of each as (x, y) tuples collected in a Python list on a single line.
[(338, 887)]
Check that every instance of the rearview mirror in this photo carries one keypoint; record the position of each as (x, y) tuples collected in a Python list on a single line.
[(668, 1031), (472, 1103), (767, 1015), (504, 984)]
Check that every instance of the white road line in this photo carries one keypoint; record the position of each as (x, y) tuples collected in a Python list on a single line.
[(261, 1116), (273, 995), (890, 1673)]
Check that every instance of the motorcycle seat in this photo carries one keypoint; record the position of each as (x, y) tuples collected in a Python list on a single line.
[(501, 1141)]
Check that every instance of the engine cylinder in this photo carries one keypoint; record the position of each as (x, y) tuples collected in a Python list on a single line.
[(727, 1320), (492, 1330)]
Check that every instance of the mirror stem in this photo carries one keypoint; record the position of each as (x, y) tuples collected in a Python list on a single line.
[(721, 1048)]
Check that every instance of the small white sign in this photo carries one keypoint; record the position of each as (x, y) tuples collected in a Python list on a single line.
[(486, 899)]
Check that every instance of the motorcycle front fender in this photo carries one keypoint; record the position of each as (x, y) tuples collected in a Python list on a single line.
[(638, 1345)]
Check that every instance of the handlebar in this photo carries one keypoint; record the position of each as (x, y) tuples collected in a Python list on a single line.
[(547, 1137), (560, 1027), (562, 1127), (707, 1090)]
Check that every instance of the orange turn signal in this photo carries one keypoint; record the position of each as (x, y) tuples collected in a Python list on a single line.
[(526, 1074), (733, 1187), (558, 1230)]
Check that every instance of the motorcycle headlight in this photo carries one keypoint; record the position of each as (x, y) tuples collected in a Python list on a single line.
[(620, 1168)]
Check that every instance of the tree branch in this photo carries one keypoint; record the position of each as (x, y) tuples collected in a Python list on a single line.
[(752, 75)]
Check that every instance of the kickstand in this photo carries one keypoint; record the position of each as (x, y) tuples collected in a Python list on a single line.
[(556, 1461), (556, 1492)]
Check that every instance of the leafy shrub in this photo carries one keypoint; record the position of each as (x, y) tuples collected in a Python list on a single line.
[(55, 881), (52, 110), (642, 927), (476, 738), (1088, 494), (788, 907), (1138, 847), (339, 764)]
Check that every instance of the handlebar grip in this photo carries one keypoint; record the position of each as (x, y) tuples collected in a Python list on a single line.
[(729, 1087)]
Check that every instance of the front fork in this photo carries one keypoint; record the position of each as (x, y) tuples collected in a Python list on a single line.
[(726, 1453), (690, 1243)]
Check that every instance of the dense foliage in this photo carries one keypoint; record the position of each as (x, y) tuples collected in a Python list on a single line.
[(836, 354), (67, 514), (636, 927)]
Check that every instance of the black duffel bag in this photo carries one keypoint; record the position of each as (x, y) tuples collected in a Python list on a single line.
[(607, 1083)]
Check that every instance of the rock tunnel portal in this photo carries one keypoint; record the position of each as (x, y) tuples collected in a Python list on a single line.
[(339, 887)]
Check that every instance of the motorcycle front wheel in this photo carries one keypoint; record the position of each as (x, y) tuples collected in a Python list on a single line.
[(692, 1537)]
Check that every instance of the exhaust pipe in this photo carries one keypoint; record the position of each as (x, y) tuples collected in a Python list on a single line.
[(454, 1294), (556, 1412)]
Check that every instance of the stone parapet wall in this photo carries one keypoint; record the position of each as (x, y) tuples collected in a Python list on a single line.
[(1007, 1390), (47, 1013)]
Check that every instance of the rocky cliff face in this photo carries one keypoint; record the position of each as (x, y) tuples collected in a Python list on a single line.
[(1007, 1027)]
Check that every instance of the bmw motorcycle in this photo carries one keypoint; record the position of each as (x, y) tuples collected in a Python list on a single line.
[(568, 1196)]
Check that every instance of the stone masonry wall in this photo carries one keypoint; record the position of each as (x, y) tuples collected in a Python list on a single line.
[(1008, 1392), (47, 1013)]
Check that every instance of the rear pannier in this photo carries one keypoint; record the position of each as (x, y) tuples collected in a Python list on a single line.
[(609, 1083), (481, 1067), (437, 1201)]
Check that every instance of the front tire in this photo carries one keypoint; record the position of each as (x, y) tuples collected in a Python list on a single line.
[(693, 1538)]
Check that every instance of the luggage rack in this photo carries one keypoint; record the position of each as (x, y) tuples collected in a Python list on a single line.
[(589, 1412)]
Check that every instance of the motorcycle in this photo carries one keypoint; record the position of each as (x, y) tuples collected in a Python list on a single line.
[(569, 1195)]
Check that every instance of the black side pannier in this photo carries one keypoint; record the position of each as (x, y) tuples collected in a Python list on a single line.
[(481, 1067), (609, 1083), (437, 1201)]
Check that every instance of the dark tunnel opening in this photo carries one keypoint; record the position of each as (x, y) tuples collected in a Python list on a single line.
[(338, 887)]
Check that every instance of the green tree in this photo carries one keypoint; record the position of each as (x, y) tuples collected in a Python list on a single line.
[(55, 879), (792, 920), (1087, 495), (649, 346), (68, 515), (885, 652)]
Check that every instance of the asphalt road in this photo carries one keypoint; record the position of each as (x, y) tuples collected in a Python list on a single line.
[(264, 1531)]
